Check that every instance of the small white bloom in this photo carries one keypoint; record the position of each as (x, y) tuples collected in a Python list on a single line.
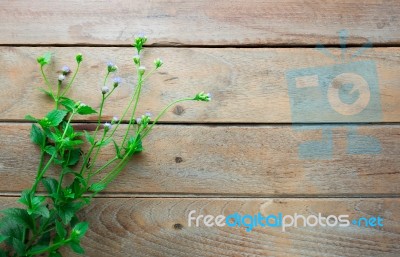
[(105, 90), (107, 126), (61, 77)]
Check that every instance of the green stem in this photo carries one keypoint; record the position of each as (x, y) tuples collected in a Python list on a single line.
[(51, 248), (137, 92), (147, 131), (102, 167), (86, 159), (71, 81), (97, 151), (40, 175), (46, 80)]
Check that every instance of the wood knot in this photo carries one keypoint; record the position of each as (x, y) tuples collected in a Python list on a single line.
[(179, 110), (178, 226)]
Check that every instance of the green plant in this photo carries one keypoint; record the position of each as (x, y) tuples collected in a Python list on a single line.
[(48, 220)]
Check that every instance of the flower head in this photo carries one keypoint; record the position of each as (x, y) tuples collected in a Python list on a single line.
[(105, 90), (140, 40), (79, 58), (61, 78), (111, 67), (142, 70), (158, 63), (65, 70), (202, 97), (117, 81), (136, 59), (138, 120), (107, 126), (114, 120)]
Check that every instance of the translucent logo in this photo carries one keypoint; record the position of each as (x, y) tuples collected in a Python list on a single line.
[(346, 92)]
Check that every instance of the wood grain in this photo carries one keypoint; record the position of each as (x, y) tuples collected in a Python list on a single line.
[(247, 85), (159, 228), (233, 160), (199, 22)]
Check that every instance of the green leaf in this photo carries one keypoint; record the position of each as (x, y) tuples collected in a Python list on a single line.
[(51, 150), (76, 247), (67, 211), (48, 93), (60, 229), (3, 238), (97, 187), (103, 143), (89, 137), (68, 143), (18, 246), (37, 135), (25, 197), (69, 104), (30, 118), (85, 110), (42, 211), (37, 248), (55, 254), (79, 230), (74, 157), (51, 185), (17, 216), (117, 150), (53, 118), (44, 59), (38, 200)]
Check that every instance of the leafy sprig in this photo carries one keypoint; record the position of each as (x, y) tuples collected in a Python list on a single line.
[(49, 220)]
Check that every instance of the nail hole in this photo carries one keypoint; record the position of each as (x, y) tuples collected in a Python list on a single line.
[(178, 226), (178, 159)]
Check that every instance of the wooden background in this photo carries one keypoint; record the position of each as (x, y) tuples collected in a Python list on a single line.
[(236, 153)]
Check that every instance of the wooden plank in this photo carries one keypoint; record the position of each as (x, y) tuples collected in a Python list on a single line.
[(233, 160), (159, 227), (199, 22), (248, 85)]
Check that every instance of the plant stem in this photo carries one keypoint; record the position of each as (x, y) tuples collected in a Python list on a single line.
[(51, 248), (162, 113), (71, 81), (102, 167), (137, 92), (46, 80)]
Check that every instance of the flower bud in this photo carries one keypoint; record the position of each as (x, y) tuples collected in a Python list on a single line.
[(65, 70), (61, 78), (107, 126), (138, 120), (158, 63), (111, 67), (79, 58), (142, 70), (202, 97), (114, 120), (116, 81), (105, 90), (136, 59)]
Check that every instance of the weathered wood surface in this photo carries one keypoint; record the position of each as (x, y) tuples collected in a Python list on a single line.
[(198, 22), (231, 160), (247, 85), (159, 227)]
